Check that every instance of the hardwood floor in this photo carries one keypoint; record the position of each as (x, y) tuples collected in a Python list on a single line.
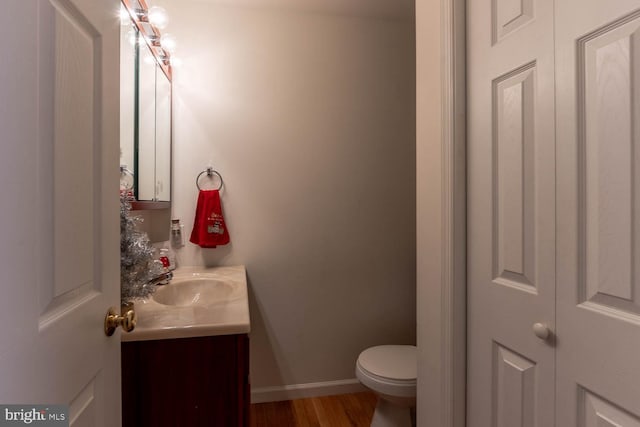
[(345, 410)]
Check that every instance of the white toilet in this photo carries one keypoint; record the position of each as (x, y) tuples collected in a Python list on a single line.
[(390, 371)]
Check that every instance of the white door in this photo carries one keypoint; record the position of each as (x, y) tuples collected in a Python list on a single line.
[(582, 256), (598, 153), (59, 218), (511, 212)]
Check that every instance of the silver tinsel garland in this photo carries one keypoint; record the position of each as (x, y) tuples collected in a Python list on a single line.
[(138, 267)]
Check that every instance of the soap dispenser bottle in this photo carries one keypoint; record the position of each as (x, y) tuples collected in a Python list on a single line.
[(168, 259), (164, 259), (176, 233)]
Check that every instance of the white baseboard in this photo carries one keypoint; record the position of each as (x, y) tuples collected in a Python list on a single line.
[(301, 391)]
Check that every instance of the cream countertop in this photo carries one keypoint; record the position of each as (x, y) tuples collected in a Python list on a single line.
[(224, 311)]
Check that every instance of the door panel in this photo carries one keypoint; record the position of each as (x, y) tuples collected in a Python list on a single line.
[(73, 171), (511, 212), (597, 412), (514, 388), (608, 173), (509, 15), (598, 95), (59, 124), (513, 180)]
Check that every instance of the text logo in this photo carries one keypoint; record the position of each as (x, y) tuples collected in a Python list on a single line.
[(34, 415)]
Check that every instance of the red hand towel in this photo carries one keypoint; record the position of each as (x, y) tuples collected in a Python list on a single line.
[(209, 229)]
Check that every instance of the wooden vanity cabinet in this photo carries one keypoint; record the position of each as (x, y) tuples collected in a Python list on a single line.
[(186, 382)]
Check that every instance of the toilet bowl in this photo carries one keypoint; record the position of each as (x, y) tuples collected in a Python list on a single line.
[(390, 371)]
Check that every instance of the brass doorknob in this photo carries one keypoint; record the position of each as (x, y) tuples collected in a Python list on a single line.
[(127, 320)]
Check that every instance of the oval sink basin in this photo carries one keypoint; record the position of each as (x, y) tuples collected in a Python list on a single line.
[(194, 291), (199, 302)]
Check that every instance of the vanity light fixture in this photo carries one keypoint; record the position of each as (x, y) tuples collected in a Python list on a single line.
[(175, 61), (158, 17), (141, 14), (168, 42), (149, 21), (153, 40), (124, 14)]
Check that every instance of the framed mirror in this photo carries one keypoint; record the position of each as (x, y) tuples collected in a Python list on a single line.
[(128, 63), (145, 131), (163, 136), (146, 120)]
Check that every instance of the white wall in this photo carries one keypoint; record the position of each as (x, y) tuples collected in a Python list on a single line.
[(440, 194), (310, 118)]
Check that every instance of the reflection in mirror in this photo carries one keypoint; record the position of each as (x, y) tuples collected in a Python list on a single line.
[(163, 136), (154, 131), (145, 133), (128, 37), (146, 125)]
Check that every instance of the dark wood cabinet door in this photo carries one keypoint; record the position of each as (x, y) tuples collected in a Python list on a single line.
[(187, 382)]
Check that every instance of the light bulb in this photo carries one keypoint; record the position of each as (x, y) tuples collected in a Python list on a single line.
[(168, 42), (148, 58), (124, 15), (131, 36), (176, 62), (158, 17)]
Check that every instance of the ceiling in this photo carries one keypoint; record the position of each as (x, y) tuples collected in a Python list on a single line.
[(397, 9)]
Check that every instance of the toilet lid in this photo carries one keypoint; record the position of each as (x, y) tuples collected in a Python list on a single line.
[(398, 362)]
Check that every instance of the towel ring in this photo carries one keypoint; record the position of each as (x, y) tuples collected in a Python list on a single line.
[(210, 172)]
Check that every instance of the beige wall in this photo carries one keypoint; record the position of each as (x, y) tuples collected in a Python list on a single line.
[(429, 212), (310, 118)]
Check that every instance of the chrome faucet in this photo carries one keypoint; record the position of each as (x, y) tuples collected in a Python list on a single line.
[(163, 279)]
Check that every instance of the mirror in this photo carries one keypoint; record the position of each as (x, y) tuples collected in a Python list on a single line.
[(128, 57), (145, 130), (145, 188), (163, 136)]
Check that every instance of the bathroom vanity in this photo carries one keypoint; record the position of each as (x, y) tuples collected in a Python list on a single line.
[(187, 361)]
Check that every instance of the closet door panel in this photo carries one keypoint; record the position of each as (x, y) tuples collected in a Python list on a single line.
[(511, 213), (598, 156)]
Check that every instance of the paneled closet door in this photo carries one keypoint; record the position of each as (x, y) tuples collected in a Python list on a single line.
[(598, 268), (511, 213)]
